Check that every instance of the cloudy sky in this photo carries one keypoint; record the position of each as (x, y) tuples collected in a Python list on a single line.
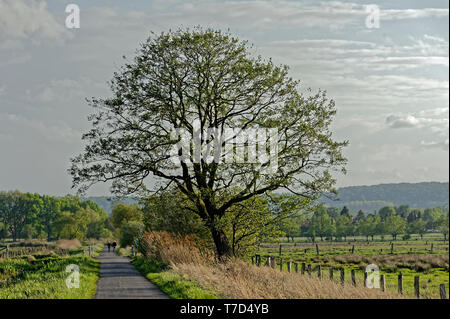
[(390, 83)]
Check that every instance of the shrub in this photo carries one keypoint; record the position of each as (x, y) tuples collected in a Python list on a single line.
[(68, 243), (171, 249), (129, 232)]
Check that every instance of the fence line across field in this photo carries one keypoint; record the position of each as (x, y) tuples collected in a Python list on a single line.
[(270, 262), (11, 252)]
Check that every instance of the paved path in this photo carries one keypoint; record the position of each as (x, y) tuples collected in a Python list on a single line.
[(120, 280)]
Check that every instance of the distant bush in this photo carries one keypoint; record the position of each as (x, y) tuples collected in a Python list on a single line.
[(68, 244)]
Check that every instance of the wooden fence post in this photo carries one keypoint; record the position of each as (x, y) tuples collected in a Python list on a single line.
[(442, 291), (353, 249), (382, 283), (416, 287), (319, 272), (400, 284), (317, 249), (331, 273), (303, 268), (280, 250), (392, 248), (296, 267), (431, 249), (309, 270), (342, 276), (272, 260), (365, 279), (281, 264), (289, 266), (7, 250), (353, 277), (268, 261)]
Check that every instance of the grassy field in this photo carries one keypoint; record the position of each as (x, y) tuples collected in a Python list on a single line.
[(42, 275), (410, 258)]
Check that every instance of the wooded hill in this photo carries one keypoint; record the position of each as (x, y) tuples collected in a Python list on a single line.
[(370, 198), (367, 198)]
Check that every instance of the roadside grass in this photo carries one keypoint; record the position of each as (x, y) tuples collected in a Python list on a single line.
[(237, 279), (123, 251), (44, 277), (170, 282)]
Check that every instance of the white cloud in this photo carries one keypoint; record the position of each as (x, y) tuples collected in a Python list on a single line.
[(409, 121), (434, 120), (27, 19), (391, 14), (285, 14), (441, 144), (58, 131)]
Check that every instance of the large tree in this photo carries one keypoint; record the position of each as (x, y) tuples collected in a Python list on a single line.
[(18, 210), (395, 225), (211, 79)]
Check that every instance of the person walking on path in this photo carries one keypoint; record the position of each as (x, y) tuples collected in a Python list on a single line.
[(114, 244), (109, 246)]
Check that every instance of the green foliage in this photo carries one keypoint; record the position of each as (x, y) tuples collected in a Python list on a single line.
[(370, 226), (344, 226), (322, 224), (171, 211), (26, 215), (129, 232), (443, 225), (418, 226), (395, 225), (257, 220), (122, 214), (386, 212), (432, 216), (387, 221)]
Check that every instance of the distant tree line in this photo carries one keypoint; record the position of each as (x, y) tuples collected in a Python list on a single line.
[(28, 215), (333, 223)]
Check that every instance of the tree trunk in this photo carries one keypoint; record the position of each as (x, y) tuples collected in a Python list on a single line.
[(221, 242)]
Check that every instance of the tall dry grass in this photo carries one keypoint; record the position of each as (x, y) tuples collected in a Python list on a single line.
[(238, 279), (68, 243), (171, 249), (235, 278)]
